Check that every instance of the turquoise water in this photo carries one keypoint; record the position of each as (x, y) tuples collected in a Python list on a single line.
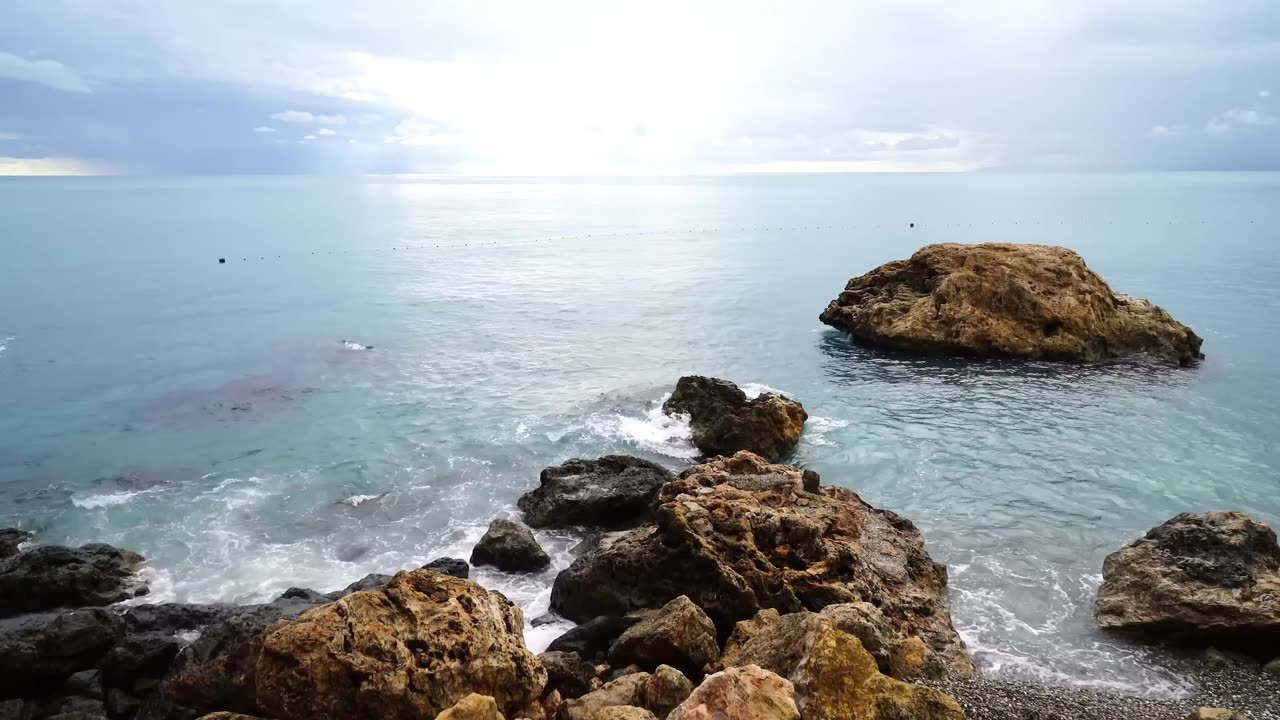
[(208, 415)]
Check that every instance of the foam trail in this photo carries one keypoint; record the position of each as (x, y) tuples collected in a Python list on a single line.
[(93, 502), (654, 431)]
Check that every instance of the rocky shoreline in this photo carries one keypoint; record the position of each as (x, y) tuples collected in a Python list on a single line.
[(741, 587)]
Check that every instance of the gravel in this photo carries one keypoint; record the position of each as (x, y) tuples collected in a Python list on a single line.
[(1242, 686)]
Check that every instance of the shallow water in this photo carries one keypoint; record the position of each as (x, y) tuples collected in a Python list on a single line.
[(223, 420)]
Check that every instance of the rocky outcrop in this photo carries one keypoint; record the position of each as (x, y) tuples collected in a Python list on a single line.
[(680, 635), (738, 535), (724, 421), (567, 673), (510, 546), (408, 651), (834, 677), (52, 576), (998, 299), (740, 692), (450, 566), (473, 707), (39, 651), (10, 540), (658, 693), (591, 638), (624, 712), (1200, 578), (611, 492)]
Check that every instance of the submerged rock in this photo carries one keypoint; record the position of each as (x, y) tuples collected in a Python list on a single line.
[(610, 492), (510, 546), (53, 576), (738, 535), (1001, 299), (1200, 578), (39, 651), (724, 421), (740, 692), (410, 650), (834, 677), (680, 635)]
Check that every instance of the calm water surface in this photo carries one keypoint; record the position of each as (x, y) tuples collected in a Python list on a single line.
[(208, 415)]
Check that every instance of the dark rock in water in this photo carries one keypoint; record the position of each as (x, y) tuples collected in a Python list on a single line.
[(173, 618), (38, 652), (450, 566), (140, 657), (1200, 578), (372, 581), (568, 673), (612, 492), (680, 635), (121, 704), (296, 593), (53, 576), (10, 539), (351, 553), (590, 638), (545, 619), (1002, 299), (509, 546), (736, 537), (724, 421)]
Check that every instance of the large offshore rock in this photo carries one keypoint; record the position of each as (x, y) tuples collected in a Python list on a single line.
[(52, 576), (834, 677), (1002, 299), (738, 535), (408, 651), (740, 692), (1200, 578), (610, 492), (724, 421), (680, 635), (509, 546)]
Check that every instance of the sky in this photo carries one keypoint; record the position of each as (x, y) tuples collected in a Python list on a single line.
[(548, 87)]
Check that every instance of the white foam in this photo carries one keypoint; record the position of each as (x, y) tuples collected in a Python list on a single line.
[(92, 502), (187, 637), (354, 345), (654, 431), (816, 429), (358, 500), (755, 390), (4, 343)]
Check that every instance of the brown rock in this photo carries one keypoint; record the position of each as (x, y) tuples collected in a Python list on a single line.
[(680, 635), (567, 673), (1200, 578), (724, 421), (834, 677), (1208, 713), (1032, 301), (473, 707), (408, 651), (740, 692), (658, 693), (623, 712), (229, 716), (726, 535)]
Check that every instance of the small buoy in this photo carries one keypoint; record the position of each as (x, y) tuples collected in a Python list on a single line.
[(913, 224), (222, 261)]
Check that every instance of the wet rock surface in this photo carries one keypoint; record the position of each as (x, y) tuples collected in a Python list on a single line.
[(724, 421), (52, 576), (610, 492), (510, 546)]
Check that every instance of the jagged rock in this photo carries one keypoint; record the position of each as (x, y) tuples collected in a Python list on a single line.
[(1001, 299), (139, 657), (610, 492), (834, 677), (865, 622), (680, 635), (173, 618), (450, 566), (410, 650), (740, 692), (120, 704), (472, 707), (39, 651), (53, 576), (724, 421), (372, 581), (1200, 578), (509, 546), (10, 540), (738, 535), (658, 693), (217, 671), (85, 684), (623, 712), (591, 638), (568, 673)]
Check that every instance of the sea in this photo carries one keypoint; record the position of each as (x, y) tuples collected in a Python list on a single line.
[(268, 382)]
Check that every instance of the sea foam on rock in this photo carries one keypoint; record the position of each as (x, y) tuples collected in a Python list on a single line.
[(738, 535), (725, 421), (1004, 299), (53, 576), (1200, 578)]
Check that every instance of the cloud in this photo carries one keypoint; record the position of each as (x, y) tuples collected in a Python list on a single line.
[(50, 73), (8, 136), (264, 129), (300, 116), (325, 131), (308, 138), (357, 96), (1249, 117), (1264, 93), (1217, 126), (11, 166), (1167, 131)]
